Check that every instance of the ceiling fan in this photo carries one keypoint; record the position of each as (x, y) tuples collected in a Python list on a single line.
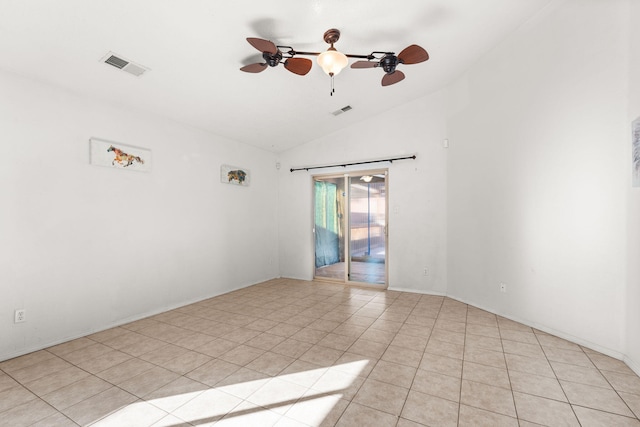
[(332, 61)]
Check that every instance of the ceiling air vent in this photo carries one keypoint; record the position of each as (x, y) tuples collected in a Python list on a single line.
[(342, 110), (123, 64)]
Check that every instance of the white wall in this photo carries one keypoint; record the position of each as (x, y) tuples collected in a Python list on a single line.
[(84, 247), (538, 175), (633, 233), (417, 192)]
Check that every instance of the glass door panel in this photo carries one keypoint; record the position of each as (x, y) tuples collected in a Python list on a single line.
[(329, 220), (367, 228)]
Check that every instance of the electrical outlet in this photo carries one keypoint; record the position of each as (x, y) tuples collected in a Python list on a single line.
[(20, 316), (503, 288)]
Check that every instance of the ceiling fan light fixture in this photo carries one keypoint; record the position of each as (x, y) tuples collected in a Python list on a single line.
[(332, 61)]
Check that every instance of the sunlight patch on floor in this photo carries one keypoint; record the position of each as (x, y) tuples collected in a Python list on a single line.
[(305, 397)]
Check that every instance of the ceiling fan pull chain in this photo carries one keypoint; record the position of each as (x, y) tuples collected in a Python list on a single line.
[(332, 88)]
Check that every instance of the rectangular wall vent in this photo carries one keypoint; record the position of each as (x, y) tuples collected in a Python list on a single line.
[(342, 110), (123, 64)]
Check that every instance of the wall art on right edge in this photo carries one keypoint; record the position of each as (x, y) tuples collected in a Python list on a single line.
[(635, 153)]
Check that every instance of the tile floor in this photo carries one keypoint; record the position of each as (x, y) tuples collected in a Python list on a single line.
[(294, 353)]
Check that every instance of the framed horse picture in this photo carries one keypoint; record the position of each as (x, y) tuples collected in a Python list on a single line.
[(119, 156), (234, 175)]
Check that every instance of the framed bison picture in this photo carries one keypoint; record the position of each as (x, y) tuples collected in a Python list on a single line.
[(235, 175)]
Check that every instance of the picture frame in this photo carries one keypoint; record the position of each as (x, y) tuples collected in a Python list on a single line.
[(116, 155), (235, 175)]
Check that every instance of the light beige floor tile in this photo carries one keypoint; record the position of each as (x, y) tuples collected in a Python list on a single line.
[(241, 335), (529, 365), (441, 364), (360, 415), (474, 417), (519, 336), (186, 362), (448, 336), (277, 395), (163, 354), (265, 341), (175, 394), (58, 420), (607, 363), (139, 413), (547, 341), (595, 398), (593, 418), (486, 374), (485, 331), (323, 356), (393, 373), (105, 361), (490, 398), (628, 383), (476, 342), (415, 331), (337, 341), (242, 355), (21, 362), (194, 340), (70, 346), (368, 348), (430, 410), (523, 349), (579, 374), (6, 382), (442, 348), (632, 401), (171, 421), (403, 422), (438, 385), (485, 357), (217, 347), (509, 324), (570, 357), (544, 411), (26, 414), (125, 370), (270, 363), (355, 364), (381, 396), (402, 356), (243, 383), (213, 372), (338, 382), (99, 406), (247, 414), (209, 406), (148, 381), (56, 380), (39, 370), (14, 396), (292, 348), (67, 396), (313, 410), (302, 373), (537, 385)]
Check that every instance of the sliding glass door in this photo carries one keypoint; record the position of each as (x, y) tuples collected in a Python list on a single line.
[(350, 227)]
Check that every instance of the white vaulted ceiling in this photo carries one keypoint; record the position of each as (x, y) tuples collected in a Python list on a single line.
[(195, 49)]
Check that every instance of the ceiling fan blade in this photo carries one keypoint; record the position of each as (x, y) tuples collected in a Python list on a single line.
[(300, 66), (254, 68), (365, 64), (413, 55), (392, 78), (263, 45)]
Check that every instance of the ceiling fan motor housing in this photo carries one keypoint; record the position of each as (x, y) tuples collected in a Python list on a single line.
[(389, 63), (272, 59)]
